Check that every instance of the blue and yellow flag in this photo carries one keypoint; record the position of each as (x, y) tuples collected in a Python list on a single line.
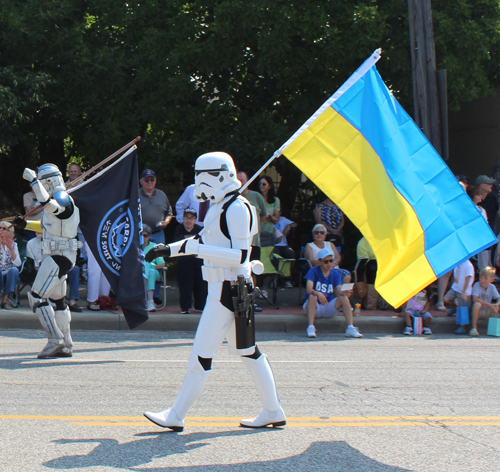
[(364, 151)]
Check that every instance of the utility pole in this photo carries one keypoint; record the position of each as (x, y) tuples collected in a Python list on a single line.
[(425, 84)]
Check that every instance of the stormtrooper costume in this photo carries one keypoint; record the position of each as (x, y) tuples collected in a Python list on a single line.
[(60, 219), (224, 246)]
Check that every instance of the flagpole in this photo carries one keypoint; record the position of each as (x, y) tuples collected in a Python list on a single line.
[(71, 184), (124, 148), (362, 70), (267, 164)]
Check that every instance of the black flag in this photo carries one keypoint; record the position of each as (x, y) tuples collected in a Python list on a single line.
[(110, 220)]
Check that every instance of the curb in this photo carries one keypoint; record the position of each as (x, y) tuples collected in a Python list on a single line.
[(108, 321)]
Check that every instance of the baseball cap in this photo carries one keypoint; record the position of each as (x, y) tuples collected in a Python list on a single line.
[(484, 179), (148, 173), (190, 210), (324, 253), (146, 229), (463, 178)]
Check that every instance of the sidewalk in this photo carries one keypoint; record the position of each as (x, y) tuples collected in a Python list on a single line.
[(289, 318)]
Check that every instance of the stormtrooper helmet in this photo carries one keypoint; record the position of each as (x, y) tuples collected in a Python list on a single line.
[(215, 176), (51, 178)]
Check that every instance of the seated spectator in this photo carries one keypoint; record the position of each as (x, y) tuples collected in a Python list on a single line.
[(318, 243), (324, 296), (331, 217), (152, 268), (483, 294), (284, 226), (97, 284), (31, 204), (463, 279), (418, 307), (366, 271), (32, 264), (189, 276), (273, 207), (9, 263)]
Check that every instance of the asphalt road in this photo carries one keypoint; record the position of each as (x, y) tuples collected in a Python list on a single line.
[(381, 403)]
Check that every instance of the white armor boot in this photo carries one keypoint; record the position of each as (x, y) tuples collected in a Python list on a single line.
[(193, 384), (262, 375), (63, 320), (55, 336)]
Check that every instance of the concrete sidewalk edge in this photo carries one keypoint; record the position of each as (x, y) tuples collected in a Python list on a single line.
[(108, 321)]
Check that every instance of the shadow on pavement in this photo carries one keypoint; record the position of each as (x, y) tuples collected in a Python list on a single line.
[(319, 456)]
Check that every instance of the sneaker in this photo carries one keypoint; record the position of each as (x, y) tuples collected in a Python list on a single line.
[(427, 330), (440, 306), (185, 312), (311, 332), (408, 330), (257, 308), (473, 332), (287, 284), (151, 306), (460, 330), (353, 332), (158, 301), (451, 312)]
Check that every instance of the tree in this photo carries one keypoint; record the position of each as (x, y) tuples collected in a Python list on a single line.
[(79, 79)]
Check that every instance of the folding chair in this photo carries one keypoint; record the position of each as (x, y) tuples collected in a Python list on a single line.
[(163, 281), (303, 266), (283, 267), (21, 246)]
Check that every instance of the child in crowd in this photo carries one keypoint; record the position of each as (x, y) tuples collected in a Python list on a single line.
[(483, 293), (461, 289), (418, 306)]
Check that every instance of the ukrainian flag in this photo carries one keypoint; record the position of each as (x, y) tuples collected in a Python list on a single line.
[(364, 151)]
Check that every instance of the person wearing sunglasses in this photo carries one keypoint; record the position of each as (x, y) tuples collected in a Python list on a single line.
[(319, 242), (273, 206), (155, 207), (9, 262), (324, 297)]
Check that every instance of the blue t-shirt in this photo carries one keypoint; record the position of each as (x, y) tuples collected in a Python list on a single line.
[(324, 284)]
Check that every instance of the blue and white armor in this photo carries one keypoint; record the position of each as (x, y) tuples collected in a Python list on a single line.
[(225, 246), (60, 220)]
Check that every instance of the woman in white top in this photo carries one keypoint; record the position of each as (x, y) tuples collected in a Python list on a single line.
[(318, 243), (9, 263)]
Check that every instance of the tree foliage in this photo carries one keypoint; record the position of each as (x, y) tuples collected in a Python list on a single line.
[(80, 78)]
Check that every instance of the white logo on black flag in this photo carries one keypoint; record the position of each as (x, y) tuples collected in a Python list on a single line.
[(110, 219)]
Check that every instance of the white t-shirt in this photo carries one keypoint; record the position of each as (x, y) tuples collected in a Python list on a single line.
[(280, 226), (459, 274), (488, 294), (34, 250)]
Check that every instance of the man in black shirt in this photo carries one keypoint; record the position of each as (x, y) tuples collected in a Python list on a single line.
[(489, 203)]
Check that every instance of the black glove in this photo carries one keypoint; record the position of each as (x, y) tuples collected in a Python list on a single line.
[(158, 251), (19, 222)]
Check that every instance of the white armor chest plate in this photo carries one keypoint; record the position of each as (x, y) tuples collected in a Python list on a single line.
[(59, 231), (239, 220)]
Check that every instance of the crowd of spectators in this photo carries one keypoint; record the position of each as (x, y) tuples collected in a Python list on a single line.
[(276, 231)]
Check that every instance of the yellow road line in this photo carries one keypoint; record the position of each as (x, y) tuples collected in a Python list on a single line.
[(293, 422)]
